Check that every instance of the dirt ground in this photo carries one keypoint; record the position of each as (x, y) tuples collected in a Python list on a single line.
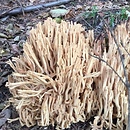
[(14, 30)]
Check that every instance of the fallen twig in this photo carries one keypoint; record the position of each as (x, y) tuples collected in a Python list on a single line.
[(19, 10)]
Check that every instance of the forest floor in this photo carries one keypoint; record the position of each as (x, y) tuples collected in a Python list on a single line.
[(14, 30)]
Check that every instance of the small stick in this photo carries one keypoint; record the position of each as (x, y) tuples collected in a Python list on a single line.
[(19, 10)]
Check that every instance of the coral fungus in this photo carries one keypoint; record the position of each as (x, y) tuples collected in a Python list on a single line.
[(56, 81)]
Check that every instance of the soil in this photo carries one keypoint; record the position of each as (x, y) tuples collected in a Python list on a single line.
[(14, 31)]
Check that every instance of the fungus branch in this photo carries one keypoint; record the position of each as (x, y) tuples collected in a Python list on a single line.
[(126, 82), (121, 57), (109, 66)]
